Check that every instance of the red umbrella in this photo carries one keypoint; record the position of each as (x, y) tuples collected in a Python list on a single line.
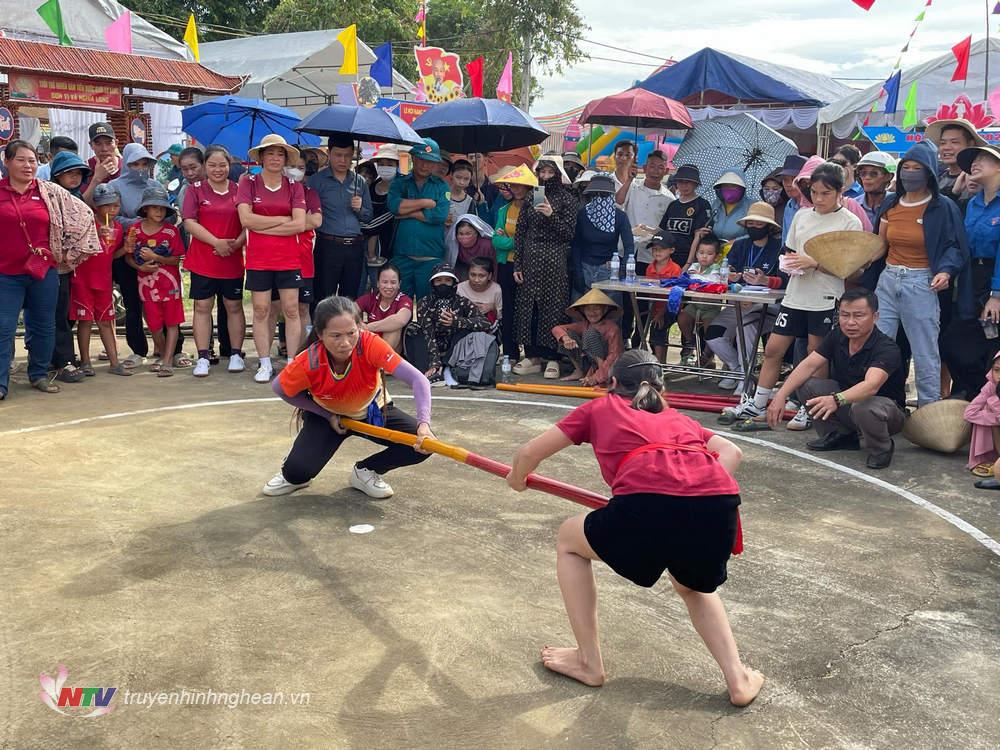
[(637, 108)]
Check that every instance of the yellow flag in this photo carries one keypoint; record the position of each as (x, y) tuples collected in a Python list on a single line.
[(191, 37), (349, 38)]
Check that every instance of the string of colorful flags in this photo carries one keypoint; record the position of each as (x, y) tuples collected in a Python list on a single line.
[(890, 89)]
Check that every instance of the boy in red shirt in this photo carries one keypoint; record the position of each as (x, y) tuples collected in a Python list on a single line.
[(90, 297), (154, 249), (661, 246)]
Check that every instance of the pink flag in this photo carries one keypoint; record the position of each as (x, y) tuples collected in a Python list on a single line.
[(119, 34), (505, 86)]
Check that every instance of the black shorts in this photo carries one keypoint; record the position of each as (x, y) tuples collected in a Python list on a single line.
[(205, 287), (639, 536), (305, 292), (800, 323), (265, 281)]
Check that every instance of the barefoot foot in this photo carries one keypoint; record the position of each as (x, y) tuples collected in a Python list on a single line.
[(746, 688), (575, 375), (567, 661)]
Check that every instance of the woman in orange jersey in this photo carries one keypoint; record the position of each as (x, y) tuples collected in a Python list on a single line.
[(340, 374)]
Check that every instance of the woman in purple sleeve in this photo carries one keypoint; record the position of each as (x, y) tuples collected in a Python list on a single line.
[(340, 374)]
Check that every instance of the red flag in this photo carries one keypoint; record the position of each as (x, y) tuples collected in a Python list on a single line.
[(866, 4), (475, 71), (961, 52)]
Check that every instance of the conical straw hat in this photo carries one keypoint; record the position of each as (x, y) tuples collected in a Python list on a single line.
[(843, 253), (940, 426), (594, 297)]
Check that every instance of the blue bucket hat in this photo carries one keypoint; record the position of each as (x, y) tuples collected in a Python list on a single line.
[(67, 161), (430, 151)]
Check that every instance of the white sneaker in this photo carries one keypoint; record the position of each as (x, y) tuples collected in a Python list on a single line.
[(727, 384), (264, 374), (746, 410), (278, 485), (370, 483), (201, 368), (738, 390), (801, 420), (236, 363)]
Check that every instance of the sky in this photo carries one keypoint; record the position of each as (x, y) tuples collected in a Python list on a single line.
[(833, 37)]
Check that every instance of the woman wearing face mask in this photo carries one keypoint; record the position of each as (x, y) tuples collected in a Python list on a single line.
[(544, 235), (774, 195), (752, 260), (135, 178), (378, 232), (926, 250), (468, 238), (730, 205), (517, 183)]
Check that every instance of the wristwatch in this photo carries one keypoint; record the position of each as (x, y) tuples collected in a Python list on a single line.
[(995, 294), (840, 399)]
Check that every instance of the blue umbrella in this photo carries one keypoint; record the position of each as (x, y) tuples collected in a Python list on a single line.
[(360, 123), (467, 126), (239, 124)]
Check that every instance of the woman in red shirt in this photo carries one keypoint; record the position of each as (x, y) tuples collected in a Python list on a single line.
[(340, 374), (215, 257), (272, 209), (43, 227), (674, 508)]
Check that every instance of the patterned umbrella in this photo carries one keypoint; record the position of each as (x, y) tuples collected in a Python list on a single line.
[(738, 142)]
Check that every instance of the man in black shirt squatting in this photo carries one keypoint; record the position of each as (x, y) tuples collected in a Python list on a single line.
[(864, 392)]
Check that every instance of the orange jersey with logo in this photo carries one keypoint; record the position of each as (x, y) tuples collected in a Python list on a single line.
[(349, 394)]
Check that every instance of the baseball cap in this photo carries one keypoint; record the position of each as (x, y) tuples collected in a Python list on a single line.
[(662, 239), (99, 129)]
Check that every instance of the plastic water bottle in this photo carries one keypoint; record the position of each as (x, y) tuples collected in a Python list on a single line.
[(724, 272), (630, 270), (505, 369), (616, 267)]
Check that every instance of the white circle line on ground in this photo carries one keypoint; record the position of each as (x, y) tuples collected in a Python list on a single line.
[(959, 523)]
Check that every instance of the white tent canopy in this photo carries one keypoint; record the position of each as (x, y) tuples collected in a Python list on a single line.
[(297, 70), (934, 88), (85, 22)]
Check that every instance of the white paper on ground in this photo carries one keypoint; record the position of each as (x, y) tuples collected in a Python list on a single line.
[(362, 528)]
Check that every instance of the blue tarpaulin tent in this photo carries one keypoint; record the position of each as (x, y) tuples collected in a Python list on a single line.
[(715, 78)]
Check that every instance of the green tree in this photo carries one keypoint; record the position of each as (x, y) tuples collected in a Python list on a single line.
[(172, 17), (549, 29)]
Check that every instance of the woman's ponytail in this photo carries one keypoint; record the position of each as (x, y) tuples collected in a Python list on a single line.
[(639, 377), (647, 398)]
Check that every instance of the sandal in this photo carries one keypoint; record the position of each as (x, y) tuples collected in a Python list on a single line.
[(45, 386), (156, 366), (983, 470), (132, 361), (120, 369), (103, 356), (87, 369), (182, 360), (165, 371), (551, 370), (987, 484)]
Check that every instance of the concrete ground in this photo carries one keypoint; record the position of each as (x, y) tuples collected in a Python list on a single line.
[(138, 551)]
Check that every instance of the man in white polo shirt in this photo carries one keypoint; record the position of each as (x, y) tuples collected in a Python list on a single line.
[(645, 203)]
